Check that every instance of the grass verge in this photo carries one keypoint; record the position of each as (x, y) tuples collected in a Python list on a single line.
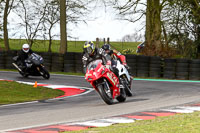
[(13, 92), (72, 46), (63, 73), (179, 123)]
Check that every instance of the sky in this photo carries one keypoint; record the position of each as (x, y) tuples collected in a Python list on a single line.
[(106, 25)]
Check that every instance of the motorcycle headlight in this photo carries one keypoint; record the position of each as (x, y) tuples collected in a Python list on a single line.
[(89, 78), (102, 72)]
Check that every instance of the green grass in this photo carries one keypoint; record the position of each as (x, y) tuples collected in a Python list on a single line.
[(13, 92), (64, 73), (68, 73), (73, 46), (179, 123)]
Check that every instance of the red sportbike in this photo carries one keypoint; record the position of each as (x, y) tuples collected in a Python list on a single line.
[(105, 82)]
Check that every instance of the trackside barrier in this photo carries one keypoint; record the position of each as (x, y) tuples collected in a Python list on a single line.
[(141, 66)]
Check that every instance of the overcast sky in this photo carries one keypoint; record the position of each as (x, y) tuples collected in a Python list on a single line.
[(106, 25)]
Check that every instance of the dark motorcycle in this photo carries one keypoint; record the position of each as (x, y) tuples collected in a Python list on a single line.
[(34, 66)]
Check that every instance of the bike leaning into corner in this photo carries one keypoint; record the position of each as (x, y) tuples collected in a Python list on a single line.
[(34, 66), (105, 82)]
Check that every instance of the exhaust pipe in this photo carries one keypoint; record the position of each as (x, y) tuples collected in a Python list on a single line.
[(17, 67)]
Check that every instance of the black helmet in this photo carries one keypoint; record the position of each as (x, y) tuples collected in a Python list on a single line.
[(106, 47), (89, 47)]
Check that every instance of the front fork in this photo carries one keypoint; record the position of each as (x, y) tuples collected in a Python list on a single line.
[(38, 68), (17, 67)]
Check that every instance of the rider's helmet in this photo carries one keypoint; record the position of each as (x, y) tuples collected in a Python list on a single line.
[(25, 48), (89, 48), (106, 47)]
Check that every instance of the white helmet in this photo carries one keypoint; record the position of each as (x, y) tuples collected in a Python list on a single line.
[(25, 48)]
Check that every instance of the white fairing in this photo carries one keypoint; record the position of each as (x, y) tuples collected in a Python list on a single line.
[(122, 70)]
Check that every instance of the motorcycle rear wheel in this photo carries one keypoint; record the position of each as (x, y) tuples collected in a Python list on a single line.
[(105, 93)]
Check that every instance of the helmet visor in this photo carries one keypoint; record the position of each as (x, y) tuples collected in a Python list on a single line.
[(26, 49)]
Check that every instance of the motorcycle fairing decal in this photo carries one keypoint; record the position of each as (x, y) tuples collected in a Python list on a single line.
[(115, 93), (110, 77)]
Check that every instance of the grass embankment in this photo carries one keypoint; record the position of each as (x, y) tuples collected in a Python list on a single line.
[(73, 46), (179, 123), (13, 92)]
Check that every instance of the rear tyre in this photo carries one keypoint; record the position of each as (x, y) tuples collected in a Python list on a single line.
[(45, 73), (105, 93), (122, 96)]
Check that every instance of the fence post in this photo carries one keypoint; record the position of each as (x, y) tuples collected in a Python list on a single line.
[(104, 40), (97, 42), (108, 40)]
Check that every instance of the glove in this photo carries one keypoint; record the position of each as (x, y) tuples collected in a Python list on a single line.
[(84, 58), (127, 67), (108, 64)]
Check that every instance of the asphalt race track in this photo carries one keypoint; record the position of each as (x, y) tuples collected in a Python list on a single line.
[(148, 95)]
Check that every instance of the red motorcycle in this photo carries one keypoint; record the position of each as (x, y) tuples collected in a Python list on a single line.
[(105, 82)]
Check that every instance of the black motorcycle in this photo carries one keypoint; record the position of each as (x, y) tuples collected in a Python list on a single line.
[(34, 66)]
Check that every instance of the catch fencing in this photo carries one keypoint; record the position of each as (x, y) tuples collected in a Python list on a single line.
[(141, 66)]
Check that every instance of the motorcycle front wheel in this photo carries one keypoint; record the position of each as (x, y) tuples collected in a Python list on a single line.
[(127, 86), (45, 73), (105, 93), (122, 96)]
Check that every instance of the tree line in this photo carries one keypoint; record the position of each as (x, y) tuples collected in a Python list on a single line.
[(38, 19), (171, 26)]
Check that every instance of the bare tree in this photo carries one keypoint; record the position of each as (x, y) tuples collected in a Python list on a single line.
[(63, 33), (32, 14), (1, 16), (51, 18), (133, 11), (135, 37)]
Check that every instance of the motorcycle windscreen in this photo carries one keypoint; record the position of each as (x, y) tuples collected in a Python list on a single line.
[(92, 65)]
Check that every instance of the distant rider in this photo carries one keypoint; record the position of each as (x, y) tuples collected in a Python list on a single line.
[(23, 55)]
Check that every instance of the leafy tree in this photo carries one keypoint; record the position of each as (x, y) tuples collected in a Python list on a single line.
[(181, 26)]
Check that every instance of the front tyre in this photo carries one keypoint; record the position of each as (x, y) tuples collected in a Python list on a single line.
[(45, 73), (25, 75), (127, 86), (105, 93)]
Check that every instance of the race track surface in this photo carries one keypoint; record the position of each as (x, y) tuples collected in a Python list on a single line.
[(148, 95)]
